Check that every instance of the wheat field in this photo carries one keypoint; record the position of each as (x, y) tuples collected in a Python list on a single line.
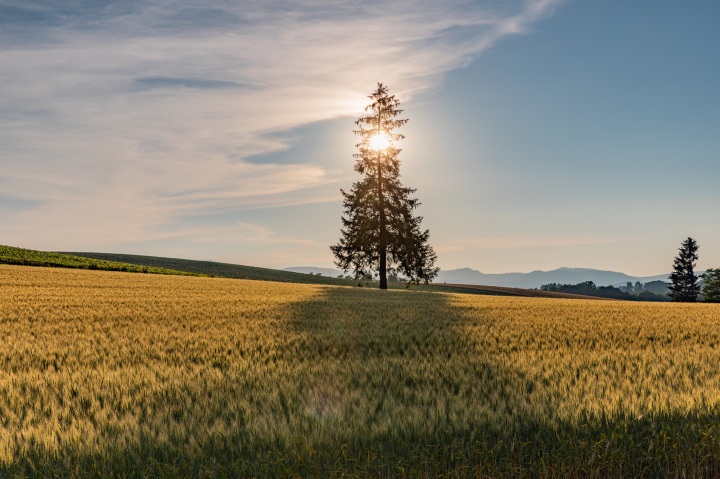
[(106, 374)]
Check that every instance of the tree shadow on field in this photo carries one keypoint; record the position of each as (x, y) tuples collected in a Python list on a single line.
[(368, 383), (408, 383)]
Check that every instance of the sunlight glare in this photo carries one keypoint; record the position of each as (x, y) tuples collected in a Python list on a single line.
[(379, 142)]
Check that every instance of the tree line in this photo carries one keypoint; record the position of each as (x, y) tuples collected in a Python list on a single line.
[(589, 288), (685, 285)]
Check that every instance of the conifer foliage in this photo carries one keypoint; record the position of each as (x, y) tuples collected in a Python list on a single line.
[(711, 285), (379, 231), (684, 287)]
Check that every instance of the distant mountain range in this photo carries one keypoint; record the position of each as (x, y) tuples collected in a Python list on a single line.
[(534, 279)]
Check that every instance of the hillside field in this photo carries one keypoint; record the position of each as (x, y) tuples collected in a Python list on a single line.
[(30, 257), (109, 374), (215, 268)]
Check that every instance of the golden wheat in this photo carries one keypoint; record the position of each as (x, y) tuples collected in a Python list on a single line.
[(115, 374)]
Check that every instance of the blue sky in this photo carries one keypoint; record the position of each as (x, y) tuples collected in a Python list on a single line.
[(542, 133)]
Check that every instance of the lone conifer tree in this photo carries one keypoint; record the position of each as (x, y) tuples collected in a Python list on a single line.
[(684, 285), (379, 230)]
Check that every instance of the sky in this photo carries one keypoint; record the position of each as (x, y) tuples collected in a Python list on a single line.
[(541, 133)]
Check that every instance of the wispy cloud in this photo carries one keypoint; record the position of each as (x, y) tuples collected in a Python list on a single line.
[(119, 116)]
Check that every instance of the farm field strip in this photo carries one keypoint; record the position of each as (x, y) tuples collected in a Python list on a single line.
[(109, 374)]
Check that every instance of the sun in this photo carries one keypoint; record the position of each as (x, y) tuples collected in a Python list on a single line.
[(379, 142)]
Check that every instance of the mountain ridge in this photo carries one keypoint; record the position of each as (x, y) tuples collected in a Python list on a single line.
[(533, 279)]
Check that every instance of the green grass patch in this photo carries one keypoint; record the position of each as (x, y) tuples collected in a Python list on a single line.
[(29, 257)]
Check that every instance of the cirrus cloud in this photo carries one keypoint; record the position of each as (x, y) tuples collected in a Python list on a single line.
[(120, 116)]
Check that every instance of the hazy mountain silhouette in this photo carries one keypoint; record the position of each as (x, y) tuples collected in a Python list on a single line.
[(333, 273), (471, 276), (534, 279)]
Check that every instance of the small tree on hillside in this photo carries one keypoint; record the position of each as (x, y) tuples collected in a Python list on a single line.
[(711, 285), (379, 230), (684, 285)]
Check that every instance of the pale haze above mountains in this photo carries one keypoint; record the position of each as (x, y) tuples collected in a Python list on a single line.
[(534, 279)]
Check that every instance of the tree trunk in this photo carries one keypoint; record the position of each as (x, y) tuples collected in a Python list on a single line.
[(382, 246), (383, 267)]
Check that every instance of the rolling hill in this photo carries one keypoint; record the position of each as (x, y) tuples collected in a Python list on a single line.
[(28, 257), (162, 265), (227, 270), (213, 268)]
